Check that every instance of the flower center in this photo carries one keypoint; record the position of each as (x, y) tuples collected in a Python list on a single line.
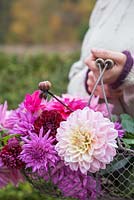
[(82, 140)]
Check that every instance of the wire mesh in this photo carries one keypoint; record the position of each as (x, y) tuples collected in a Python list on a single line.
[(117, 180)]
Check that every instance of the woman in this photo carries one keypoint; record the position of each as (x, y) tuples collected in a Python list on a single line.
[(111, 32)]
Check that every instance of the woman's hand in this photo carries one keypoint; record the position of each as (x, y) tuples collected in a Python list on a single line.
[(111, 75), (98, 92)]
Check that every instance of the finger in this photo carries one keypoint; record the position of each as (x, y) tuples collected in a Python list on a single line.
[(106, 54), (90, 62)]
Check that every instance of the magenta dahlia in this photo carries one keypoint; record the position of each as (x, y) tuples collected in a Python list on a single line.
[(33, 102), (119, 128)]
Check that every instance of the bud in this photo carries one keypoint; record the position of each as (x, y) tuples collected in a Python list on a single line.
[(44, 85)]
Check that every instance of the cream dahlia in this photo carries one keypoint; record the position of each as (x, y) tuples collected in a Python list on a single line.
[(86, 141)]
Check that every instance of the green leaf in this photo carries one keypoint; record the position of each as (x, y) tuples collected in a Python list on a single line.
[(125, 117), (115, 166), (127, 123), (128, 141), (114, 118), (7, 137)]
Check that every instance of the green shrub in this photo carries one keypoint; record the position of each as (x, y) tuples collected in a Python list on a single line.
[(21, 74)]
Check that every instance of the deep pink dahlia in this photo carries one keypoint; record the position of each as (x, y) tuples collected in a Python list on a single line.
[(33, 102), (9, 154), (38, 151), (72, 102)]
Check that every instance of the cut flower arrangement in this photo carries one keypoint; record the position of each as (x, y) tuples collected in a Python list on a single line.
[(62, 140)]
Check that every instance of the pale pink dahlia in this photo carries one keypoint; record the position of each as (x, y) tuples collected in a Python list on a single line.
[(101, 107), (4, 114), (86, 141)]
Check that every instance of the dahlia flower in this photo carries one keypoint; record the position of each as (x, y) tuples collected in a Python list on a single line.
[(119, 128), (38, 151), (9, 154), (4, 114), (72, 183), (33, 102), (49, 120), (20, 121), (8, 175), (101, 107), (86, 141), (75, 103), (72, 102)]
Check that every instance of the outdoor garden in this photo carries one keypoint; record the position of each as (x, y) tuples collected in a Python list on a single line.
[(54, 145)]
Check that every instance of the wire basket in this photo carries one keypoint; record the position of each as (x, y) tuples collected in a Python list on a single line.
[(116, 182)]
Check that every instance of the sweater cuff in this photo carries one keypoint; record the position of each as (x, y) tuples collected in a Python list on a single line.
[(127, 68), (86, 78)]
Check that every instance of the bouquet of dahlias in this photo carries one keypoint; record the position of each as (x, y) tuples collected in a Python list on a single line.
[(58, 144)]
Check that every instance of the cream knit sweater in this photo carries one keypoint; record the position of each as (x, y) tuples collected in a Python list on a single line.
[(111, 27)]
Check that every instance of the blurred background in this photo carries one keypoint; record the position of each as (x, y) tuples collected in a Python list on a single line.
[(43, 22), (39, 40)]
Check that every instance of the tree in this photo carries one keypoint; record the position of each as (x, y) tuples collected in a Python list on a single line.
[(5, 18)]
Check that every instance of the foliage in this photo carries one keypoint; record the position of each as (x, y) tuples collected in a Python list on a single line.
[(44, 21), (128, 124), (23, 192), (20, 75)]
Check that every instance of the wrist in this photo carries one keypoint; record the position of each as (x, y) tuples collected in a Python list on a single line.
[(86, 85), (125, 71)]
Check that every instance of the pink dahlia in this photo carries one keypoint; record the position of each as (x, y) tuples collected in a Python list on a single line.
[(33, 102), (101, 107), (4, 114), (86, 141), (72, 102), (38, 151), (20, 121)]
